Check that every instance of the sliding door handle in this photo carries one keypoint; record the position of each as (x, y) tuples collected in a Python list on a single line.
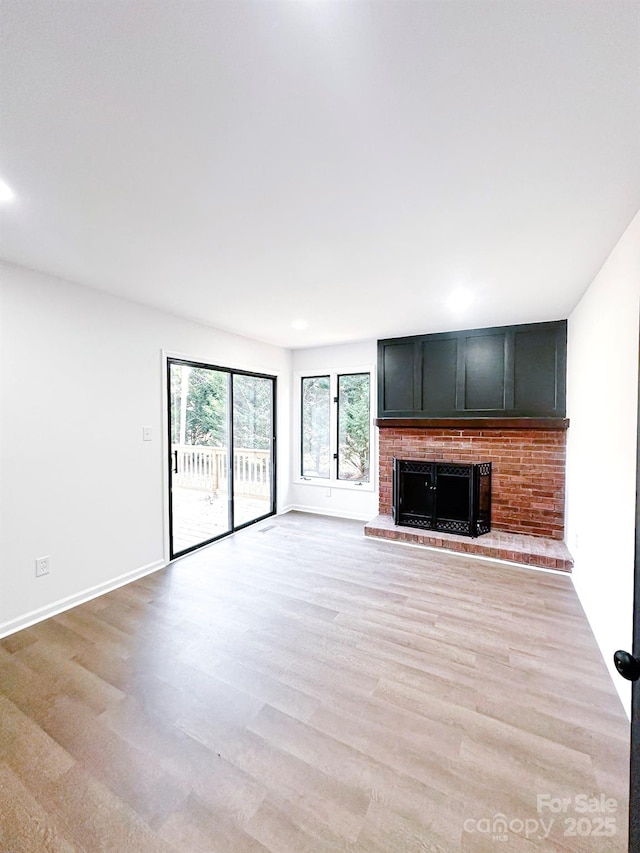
[(174, 459)]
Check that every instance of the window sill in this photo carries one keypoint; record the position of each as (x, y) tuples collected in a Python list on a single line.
[(335, 484)]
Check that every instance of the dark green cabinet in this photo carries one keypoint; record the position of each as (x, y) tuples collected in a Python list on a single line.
[(508, 371)]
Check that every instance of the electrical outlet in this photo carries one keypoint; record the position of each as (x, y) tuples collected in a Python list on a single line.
[(42, 566)]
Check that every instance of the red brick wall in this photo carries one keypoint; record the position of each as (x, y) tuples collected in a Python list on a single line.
[(527, 477)]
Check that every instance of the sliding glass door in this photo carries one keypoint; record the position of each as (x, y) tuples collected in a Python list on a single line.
[(253, 434), (221, 461)]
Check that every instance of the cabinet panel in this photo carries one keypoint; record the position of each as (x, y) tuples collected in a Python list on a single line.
[(535, 355), (484, 367), (398, 369), (439, 359)]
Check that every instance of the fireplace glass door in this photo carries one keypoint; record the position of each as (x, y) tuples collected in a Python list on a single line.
[(416, 493), (455, 493), (453, 497)]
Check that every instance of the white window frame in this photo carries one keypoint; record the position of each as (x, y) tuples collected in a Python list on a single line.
[(332, 482)]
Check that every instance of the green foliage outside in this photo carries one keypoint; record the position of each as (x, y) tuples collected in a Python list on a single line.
[(206, 417), (207, 407), (252, 412), (353, 427), (316, 411)]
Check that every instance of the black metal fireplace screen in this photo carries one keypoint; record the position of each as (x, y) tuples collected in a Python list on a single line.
[(453, 497)]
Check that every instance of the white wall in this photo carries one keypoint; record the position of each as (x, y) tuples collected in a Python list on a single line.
[(80, 374), (349, 502), (602, 402)]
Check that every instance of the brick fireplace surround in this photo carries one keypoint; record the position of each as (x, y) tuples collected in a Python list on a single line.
[(528, 482)]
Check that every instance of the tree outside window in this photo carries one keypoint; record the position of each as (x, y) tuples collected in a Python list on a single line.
[(348, 422)]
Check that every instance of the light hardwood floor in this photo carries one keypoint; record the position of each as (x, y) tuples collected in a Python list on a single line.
[(299, 688)]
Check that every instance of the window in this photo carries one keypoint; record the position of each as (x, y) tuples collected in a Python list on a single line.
[(353, 427), (335, 427), (316, 435)]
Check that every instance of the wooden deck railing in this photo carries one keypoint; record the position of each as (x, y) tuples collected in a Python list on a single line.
[(207, 468)]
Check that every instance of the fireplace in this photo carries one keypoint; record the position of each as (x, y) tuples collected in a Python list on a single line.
[(446, 496), (527, 459), (527, 471)]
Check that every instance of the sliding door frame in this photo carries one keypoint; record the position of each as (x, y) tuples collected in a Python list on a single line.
[(168, 359)]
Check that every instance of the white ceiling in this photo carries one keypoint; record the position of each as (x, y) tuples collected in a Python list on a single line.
[(247, 164)]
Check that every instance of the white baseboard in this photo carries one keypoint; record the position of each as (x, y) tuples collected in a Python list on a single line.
[(314, 510), (63, 604)]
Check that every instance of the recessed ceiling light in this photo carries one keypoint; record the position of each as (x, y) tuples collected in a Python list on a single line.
[(6, 193), (299, 324), (460, 299)]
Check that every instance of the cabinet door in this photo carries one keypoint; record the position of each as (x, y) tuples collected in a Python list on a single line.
[(484, 372), (439, 368), (539, 370), (400, 373)]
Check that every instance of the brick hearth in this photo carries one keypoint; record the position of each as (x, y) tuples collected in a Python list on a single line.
[(517, 548)]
